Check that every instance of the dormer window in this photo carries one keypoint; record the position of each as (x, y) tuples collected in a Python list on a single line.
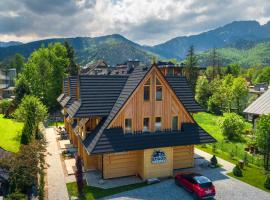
[(146, 91), (158, 90), (128, 125)]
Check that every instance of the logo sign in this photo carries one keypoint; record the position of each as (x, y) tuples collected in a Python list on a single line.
[(158, 157)]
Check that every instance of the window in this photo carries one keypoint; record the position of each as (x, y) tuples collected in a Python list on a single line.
[(175, 123), (145, 124), (158, 124), (146, 91), (158, 90), (128, 125)]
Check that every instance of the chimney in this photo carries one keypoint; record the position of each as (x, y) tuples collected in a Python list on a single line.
[(131, 64)]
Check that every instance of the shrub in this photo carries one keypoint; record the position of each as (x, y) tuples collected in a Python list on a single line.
[(237, 171), (79, 175), (232, 126), (16, 196), (214, 161), (267, 183), (213, 107), (245, 158), (214, 148), (4, 105)]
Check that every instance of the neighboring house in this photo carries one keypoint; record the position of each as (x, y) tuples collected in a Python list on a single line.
[(98, 68), (134, 124), (7, 82), (171, 69), (261, 106), (125, 68), (258, 89)]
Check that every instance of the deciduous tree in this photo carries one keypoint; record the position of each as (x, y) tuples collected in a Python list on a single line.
[(263, 138)]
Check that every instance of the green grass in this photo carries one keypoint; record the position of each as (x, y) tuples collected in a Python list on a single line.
[(253, 176), (209, 122), (92, 193), (56, 123), (10, 133)]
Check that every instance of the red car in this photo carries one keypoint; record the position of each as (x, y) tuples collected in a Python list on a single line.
[(200, 186)]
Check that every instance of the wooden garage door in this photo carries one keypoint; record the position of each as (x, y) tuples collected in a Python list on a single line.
[(120, 164), (183, 156)]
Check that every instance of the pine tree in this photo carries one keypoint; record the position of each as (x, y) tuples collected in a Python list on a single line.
[(191, 69), (73, 68)]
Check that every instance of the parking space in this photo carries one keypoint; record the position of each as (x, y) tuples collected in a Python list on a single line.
[(227, 188)]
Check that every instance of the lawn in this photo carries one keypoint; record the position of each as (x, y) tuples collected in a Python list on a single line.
[(61, 123), (253, 176), (230, 151), (92, 193), (10, 131)]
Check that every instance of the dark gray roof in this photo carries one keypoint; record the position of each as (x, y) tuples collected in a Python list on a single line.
[(183, 92), (68, 99), (114, 140), (65, 86), (260, 106), (60, 97), (65, 90), (98, 94), (131, 84)]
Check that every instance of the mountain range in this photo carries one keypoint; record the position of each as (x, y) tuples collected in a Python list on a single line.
[(238, 40)]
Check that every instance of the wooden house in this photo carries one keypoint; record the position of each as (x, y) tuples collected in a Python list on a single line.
[(261, 106), (134, 124)]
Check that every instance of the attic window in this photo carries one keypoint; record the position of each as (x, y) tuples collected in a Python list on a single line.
[(158, 90), (175, 123), (146, 91), (128, 125)]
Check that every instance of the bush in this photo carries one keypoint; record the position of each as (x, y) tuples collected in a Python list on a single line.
[(4, 105), (267, 183), (213, 107), (16, 196), (232, 126), (214, 161), (237, 171)]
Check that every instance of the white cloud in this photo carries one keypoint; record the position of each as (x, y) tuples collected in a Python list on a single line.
[(145, 21)]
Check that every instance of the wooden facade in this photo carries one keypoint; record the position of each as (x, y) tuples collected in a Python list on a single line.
[(137, 109), (140, 162)]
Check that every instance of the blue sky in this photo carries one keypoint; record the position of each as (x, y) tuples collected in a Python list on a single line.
[(143, 21)]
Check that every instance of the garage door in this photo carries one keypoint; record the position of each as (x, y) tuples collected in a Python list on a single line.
[(120, 164), (183, 156)]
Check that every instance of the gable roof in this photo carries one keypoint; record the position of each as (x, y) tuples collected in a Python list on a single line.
[(131, 84), (65, 90), (260, 106), (183, 92), (70, 84), (98, 94)]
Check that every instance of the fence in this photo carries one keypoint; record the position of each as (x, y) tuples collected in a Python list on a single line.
[(237, 151)]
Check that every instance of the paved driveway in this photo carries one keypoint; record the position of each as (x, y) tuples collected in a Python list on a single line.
[(227, 188), (56, 181)]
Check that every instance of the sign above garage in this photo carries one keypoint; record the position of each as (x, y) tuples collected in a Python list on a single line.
[(158, 156)]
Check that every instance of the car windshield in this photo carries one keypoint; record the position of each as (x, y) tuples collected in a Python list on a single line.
[(203, 181)]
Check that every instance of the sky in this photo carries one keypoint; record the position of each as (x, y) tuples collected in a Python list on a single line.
[(147, 22)]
